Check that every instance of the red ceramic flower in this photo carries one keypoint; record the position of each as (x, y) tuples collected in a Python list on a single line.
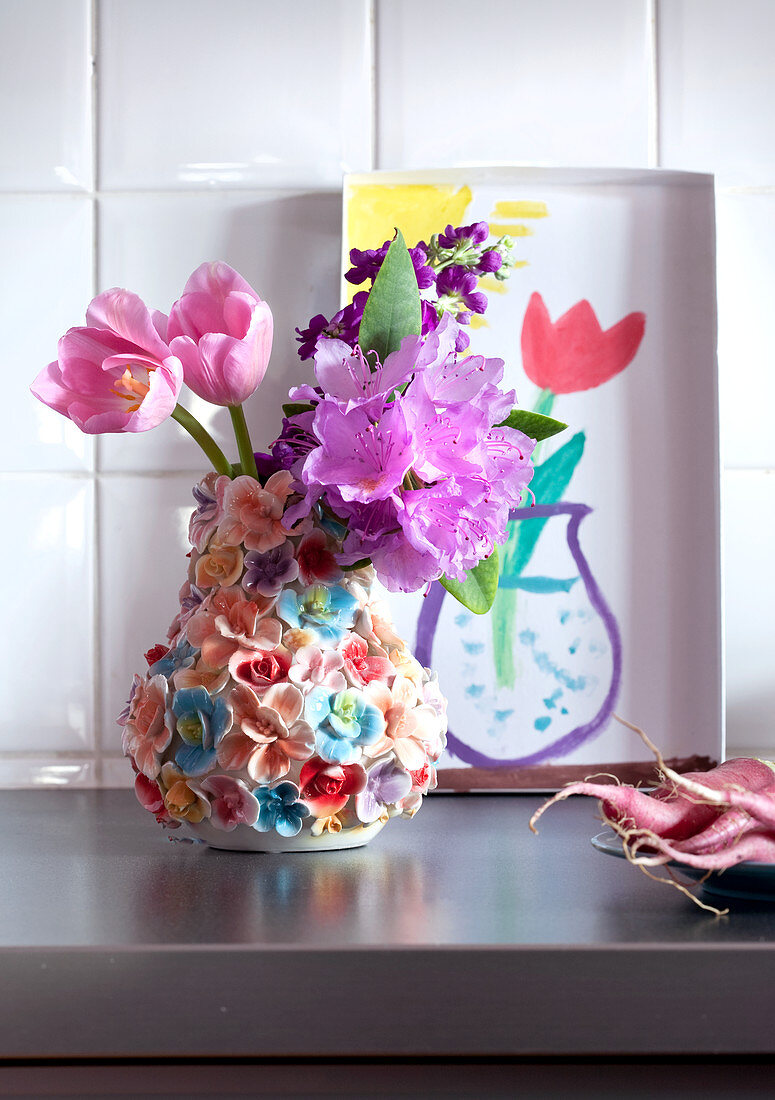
[(260, 669), (574, 353), (326, 787)]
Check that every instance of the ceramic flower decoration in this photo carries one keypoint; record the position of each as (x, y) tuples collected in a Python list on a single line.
[(285, 711)]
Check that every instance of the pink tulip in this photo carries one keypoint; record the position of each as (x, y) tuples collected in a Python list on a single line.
[(222, 333), (115, 375)]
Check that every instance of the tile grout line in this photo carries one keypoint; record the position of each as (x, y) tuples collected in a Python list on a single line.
[(97, 457), (373, 85), (653, 105)]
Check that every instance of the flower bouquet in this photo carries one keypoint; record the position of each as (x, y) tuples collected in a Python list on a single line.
[(284, 712)]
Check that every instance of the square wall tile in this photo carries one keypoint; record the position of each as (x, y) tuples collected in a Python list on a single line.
[(143, 547), (287, 245), (47, 243), (550, 82), (116, 772), (716, 87), (746, 245), (749, 599), (45, 95), (46, 651), (23, 771), (238, 93)]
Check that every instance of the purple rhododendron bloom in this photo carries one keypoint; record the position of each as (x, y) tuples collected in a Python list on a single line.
[(267, 573), (366, 461), (347, 376)]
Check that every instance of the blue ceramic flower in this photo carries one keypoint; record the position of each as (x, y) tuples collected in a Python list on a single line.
[(328, 612), (280, 809), (201, 722), (182, 656), (344, 723)]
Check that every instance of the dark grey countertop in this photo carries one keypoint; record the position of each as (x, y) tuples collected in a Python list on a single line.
[(458, 932)]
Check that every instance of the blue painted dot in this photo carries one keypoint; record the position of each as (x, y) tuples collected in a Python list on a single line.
[(473, 647), (542, 723), (502, 715), (475, 691), (461, 619), (564, 616), (527, 637), (563, 710)]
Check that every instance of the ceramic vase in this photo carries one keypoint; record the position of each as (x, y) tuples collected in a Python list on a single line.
[(284, 713)]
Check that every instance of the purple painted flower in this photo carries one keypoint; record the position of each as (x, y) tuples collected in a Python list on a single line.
[(456, 288), (344, 325), (267, 573), (386, 784)]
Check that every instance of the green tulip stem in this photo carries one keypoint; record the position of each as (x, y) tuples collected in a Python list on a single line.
[(219, 460), (245, 447)]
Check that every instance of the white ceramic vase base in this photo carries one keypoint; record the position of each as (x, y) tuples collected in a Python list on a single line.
[(246, 839)]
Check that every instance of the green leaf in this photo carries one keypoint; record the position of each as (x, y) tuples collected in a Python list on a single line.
[(534, 424), (477, 591), (292, 408), (550, 480), (392, 309)]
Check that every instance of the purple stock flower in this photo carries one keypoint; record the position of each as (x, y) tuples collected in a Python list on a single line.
[(344, 325), (456, 288), (367, 263), (475, 235), (386, 784), (489, 262), (266, 574)]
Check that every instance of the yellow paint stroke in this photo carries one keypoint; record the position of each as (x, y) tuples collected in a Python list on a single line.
[(525, 209), (502, 229), (477, 321), (418, 209), (490, 285)]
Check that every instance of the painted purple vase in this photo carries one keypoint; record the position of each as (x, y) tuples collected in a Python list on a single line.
[(541, 674)]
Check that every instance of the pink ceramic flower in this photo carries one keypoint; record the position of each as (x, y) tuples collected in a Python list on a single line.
[(260, 669), (233, 804), (360, 666), (146, 735), (313, 667), (252, 514), (267, 733), (222, 333), (115, 375)]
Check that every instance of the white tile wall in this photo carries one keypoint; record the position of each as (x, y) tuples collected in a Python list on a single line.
[(222, 130)]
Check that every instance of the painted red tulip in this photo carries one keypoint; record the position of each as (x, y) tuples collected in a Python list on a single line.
[(574, 353)]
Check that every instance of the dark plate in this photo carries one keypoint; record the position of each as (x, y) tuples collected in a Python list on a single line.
[(749, 881)]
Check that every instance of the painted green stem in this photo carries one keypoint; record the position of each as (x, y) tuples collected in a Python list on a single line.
[(219, 460), (245, 447), (503, 617)]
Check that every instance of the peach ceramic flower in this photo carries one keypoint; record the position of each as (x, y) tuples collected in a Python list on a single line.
[(409, 729), (253, 515), (222, 564), (183, 800), (375, 625), (267, 733), (201, 675), (146, 735)]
